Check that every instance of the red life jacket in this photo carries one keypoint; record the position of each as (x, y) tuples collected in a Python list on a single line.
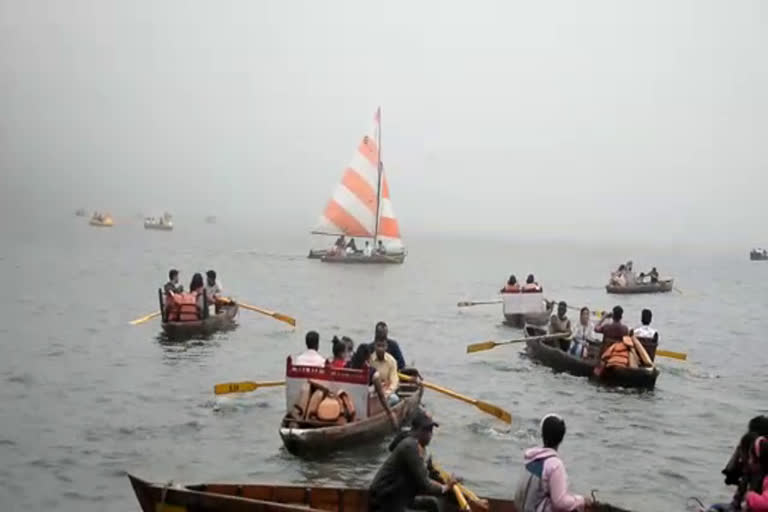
[(511, 288), (185, 307)]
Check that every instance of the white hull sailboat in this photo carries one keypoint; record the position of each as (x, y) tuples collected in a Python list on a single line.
[(361, 210)]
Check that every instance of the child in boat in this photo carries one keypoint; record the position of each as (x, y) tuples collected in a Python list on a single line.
[(544, 485), (339, 353)]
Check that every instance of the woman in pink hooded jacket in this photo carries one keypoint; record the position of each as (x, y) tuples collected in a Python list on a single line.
[(544, 485), (757, 498)]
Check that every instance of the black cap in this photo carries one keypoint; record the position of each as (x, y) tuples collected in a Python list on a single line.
[(422, 420)]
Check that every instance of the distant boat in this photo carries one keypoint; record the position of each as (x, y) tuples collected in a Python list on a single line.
[(211, 219), (102, 220), (361, 208), (758, 255), (80, 212), (164, 223)]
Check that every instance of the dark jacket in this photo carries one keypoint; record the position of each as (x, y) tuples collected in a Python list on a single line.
[(393, 349), (401, 478)]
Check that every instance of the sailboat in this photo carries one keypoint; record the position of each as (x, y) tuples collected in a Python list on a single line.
[(360, 207)]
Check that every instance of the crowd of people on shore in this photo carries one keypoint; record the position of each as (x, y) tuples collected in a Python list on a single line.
[(195, 304)]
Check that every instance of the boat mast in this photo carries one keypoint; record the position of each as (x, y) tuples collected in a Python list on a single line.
[(378, 181)]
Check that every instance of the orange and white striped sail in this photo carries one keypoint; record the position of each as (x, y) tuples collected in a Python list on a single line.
[(354, 203)]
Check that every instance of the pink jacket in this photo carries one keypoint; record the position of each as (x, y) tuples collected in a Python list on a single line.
[(555, 482), (758, 502)]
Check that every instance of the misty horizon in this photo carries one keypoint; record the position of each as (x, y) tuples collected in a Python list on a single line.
[(586, 121)]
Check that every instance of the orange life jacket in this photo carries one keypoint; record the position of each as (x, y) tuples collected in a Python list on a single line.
[(531, 287), (185, 307), (618, 354)]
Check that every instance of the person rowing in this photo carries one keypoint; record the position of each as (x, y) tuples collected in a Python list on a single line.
[(402, 484), (386, 366)]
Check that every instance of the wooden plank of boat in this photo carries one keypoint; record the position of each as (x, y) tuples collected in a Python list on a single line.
[(553, 357), (267, 498), (316, 254), (317, 440), (660, 287), (222, 320), (360, 258)]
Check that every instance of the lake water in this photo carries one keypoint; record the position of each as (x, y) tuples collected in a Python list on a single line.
[(85, 397)]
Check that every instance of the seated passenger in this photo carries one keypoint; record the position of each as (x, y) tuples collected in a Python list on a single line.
[(359, 360), (339, 353), (757, 490), (645, 331), (368, 249), (213, 291), (613, 331), (583, 335), (351, 246), (310, 357), (349, 345), (512, 285), (386, 366), (531, 285), (560, 323), (380, 248)]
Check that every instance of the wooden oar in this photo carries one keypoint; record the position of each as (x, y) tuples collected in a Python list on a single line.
[(145, 318), (277, 316), (491, 409), (488, 345), (674, 355), (466, 303), (244, 386), (461, 491)]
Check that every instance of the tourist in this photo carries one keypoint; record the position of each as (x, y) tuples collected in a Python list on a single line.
[(531, 285), (339, 353), (349, 345), (310, 357), (512, 285), (361, 359), (380, 248), (197, 287), (402, 482), (544, 485), (393, 347), (351, 246), (757, 493), (583, 335), (213, 289), (173, 286), (645, 331), (739, 471), (368, 249), (612, 331), (386, 366), (559, 323)]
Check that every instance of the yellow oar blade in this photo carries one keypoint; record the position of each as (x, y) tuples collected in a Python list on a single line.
[(277, 316), (244, 386), (674, 355), (143, 319), (285, 318), (479, 347), (494, 411)]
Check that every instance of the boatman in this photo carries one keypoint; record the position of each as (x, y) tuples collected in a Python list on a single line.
[(613, 331), (393, 347), (402, 483)]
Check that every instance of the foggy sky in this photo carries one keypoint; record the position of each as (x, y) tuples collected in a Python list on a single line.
[(589, 120)]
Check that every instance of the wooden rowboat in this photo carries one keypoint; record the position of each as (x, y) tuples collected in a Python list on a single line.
[(224, 319), (548, 353), (267, 498), (659, 287), (758, 255), (360, 258), (311, 439)]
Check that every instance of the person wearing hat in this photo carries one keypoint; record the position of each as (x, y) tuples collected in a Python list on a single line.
[(544, 485), (402, 483), (213, 289)]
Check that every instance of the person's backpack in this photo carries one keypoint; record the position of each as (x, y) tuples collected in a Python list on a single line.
[(531, 494)]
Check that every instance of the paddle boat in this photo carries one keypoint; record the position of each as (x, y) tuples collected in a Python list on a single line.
[(101, 220), (549, 353), (368, 419), (224, 319), (525, 307)]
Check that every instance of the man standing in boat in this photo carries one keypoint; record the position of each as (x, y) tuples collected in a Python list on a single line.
[(402, 483), (393, 347)]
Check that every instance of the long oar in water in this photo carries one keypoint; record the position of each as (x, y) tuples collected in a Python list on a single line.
[(277, 316), (488, 345), (674, 355), (146, 318), (245, 386), (466, 303), (491, 409)]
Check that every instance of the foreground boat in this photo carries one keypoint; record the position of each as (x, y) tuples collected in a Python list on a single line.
[(663, 286), (361, 207), (222, 320), (549, 354), (155, 497), (371, 422)]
